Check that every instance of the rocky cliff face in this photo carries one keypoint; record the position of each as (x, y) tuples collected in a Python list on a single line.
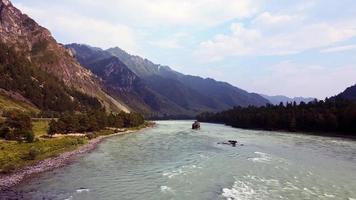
[(109, 68), (22, 33), (124, 83), (140, 66)]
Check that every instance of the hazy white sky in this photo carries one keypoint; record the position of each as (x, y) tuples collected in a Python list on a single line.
[(293, 48)]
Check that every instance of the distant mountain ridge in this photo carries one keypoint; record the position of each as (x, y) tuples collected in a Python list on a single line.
[(173, 94), (275, 100), (224, 94)]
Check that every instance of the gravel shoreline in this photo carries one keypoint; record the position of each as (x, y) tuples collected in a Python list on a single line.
[(9, 180)]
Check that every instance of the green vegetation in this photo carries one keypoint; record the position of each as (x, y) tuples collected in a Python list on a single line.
[(40, 127), (45, 91), (329, 116), (8, 104), (17, 126), (93, 121), (23, 141), (14, 155)]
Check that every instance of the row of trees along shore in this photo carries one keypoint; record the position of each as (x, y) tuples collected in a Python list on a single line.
[(330, 116), (93, 121), (18, 125)]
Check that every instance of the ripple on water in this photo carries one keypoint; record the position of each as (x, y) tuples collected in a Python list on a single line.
[(263, 158), (181, 171), (166, 189), (82, 190), (70, 198)]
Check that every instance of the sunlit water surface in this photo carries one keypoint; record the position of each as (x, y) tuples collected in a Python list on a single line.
[(172, 161)]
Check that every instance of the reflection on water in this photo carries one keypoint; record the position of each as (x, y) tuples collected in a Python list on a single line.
[(174, 162)]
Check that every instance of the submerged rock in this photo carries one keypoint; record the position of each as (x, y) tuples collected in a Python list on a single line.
[(232, 143)]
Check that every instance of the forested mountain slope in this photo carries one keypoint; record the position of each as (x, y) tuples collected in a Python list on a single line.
[(35, 46)]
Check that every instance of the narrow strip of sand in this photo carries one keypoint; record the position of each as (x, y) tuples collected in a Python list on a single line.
[(9, 180)]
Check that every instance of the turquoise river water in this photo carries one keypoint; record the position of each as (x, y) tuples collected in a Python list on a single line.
[(171, 161)]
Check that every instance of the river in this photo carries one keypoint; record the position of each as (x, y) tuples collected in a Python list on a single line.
[(171, 161)]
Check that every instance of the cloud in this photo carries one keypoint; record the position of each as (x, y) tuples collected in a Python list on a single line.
[(127, 23), (256, 40), (71, 27), (172, 42), (267, 20), (171, 12), (294, 79), (339, 48), (167, 43)]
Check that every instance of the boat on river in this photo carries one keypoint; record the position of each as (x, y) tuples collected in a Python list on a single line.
[(196, 125)]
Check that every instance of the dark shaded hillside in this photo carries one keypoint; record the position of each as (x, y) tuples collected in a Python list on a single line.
[(225, 94), (180, 94), (349, 93)]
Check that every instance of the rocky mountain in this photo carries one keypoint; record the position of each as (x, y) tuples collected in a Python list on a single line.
[(165, 92), (125, 84), (275, 100), (140, 66), (35, 43)]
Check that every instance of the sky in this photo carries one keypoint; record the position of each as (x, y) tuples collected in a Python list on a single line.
[(275, 47)]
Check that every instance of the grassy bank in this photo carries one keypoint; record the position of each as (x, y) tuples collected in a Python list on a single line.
[(40, 127), (15, 155)]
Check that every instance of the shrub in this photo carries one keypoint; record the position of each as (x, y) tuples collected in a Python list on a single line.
[(80, 141), (10, 136), (29, 136), (33, 153), (91, 136), (4, 130)]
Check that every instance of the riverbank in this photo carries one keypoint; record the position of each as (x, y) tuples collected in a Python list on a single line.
[(9, 180)]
